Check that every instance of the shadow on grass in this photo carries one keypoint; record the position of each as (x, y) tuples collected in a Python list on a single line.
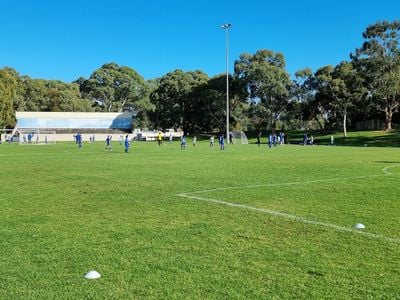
[(391, 139), (356, 139), (353, 139)]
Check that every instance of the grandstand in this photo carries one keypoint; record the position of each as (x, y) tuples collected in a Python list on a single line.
[(66, 124)]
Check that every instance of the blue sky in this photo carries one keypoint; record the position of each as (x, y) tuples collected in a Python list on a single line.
[(65, 40)]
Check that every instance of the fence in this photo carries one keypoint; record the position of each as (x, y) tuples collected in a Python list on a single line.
[(373, 125)]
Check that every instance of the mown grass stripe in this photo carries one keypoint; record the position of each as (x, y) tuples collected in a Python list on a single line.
[(293, 217)]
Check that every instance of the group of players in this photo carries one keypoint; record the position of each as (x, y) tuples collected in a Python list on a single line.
[(127, 143), (221, 141)]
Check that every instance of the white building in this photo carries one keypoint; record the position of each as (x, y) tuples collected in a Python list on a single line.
[(64, 124)]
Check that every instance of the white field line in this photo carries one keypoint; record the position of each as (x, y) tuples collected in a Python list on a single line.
[(290, 216), (70, 152), (386, 170), (294, 218), (285, 183)]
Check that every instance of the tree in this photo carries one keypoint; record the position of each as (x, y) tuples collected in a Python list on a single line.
[(145, 108), (8, 87), (211, 108), (67, 97), (303, 89), (378, 62), (341, 89), (304, 105), (50, 95), (116, 88), (175, 100), (211, 98), (257, 115), (266, 80)]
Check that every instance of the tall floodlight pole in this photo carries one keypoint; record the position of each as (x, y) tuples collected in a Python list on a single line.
[(226, 28)]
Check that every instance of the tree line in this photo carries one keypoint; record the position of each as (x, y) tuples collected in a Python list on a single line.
[(262, 93)]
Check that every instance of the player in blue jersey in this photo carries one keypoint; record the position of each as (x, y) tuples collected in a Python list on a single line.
[(108, 143), (183, 142), (127, 144), (79, 140), (221, 142)]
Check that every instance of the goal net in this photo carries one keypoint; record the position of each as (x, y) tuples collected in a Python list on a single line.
[(36, 137), (239, 137), (6, 136)]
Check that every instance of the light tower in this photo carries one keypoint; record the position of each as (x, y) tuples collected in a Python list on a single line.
[(226, 28)]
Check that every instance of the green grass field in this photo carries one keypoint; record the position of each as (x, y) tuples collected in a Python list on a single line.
[(245, 223)]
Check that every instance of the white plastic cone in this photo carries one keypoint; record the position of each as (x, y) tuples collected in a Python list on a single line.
[(359, 226), (93, 274)]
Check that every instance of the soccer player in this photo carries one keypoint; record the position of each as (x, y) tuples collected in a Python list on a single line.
[(270, 140), (79, 140), (194, 141), (159, 138), (212, 141), (305, 139), (221, 142), (108, 143), (127, 144), (183, 142)]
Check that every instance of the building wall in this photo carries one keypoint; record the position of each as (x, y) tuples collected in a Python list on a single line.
[(73, 120)]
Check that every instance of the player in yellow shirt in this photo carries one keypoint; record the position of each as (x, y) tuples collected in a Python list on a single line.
[(159, 138)]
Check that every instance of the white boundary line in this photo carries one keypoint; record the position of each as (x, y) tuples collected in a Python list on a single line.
[(385, 170), (285, 183), (191, 195)]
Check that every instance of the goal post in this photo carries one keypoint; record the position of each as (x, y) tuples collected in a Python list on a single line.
[(37, 137), (239, 137), (6, 136)]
